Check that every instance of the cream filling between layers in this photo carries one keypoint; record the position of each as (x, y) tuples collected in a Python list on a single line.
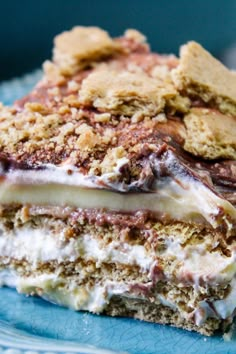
[(193, 262), (198, 264), (186, 199), (40, 246), (55, 288)]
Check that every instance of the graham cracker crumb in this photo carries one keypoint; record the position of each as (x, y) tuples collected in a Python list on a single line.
[(178, 103), (87, 139), (37, 107), (137, 117), (161, 118), (161, 72), (73, 85), (112, 158), (54, 91), (28, 126), (53, 73), (102, 118), (72, 100), (65, 130), (135, 35), (64, 110)]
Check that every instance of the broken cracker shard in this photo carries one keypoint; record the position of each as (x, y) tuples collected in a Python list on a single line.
[(118, 179)]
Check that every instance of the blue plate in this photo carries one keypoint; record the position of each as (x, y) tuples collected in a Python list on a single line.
[(31, 325)]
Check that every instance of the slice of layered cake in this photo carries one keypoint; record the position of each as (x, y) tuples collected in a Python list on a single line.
[(118, 183)]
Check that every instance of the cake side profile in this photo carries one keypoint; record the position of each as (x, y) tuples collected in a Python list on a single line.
[(118, 182)]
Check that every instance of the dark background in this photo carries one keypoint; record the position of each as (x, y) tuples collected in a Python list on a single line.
[(27, 27)]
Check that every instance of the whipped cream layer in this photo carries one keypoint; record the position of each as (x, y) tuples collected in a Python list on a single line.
[(197, 264), (48, 247), (193, 262), (182, 197)]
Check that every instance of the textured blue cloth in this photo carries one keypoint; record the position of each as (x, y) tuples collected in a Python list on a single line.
[(16, 88)]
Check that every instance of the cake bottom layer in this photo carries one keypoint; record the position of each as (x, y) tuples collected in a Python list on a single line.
[(158, 313), (123, 265), (164, 304)]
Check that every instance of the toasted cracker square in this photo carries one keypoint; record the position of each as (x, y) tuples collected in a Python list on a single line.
[(200, 74), (210, 134)]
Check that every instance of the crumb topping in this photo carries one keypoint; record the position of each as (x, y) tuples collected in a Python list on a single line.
[(27, 130), (135, 35), (102, 97)]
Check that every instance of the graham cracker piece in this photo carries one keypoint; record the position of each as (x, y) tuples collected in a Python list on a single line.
[(200, 74), (210, 134), (125, 93), (75, 49)]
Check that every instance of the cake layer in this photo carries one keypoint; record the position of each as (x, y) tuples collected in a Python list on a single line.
[(160, 313), (85, 265), (198, 263), (178, 193), (183, 251), (195, 309)]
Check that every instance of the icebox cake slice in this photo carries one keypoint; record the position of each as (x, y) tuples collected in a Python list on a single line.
[(118, 182)]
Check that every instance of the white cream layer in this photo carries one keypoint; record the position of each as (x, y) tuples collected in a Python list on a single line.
[(198, 264), (37, 245), (53, 288), (186, 200), (192, 262)]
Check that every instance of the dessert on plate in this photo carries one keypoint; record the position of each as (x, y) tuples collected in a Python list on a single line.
[(118, 182)]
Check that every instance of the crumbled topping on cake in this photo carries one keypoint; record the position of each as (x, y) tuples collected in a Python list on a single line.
[(87, 137), (161, 118), (53, 73), (27, 129), (112, 166), (200, 75), (135, 35), (73, 85), (112, 159), (178, 103), (127, 100), (210, 134), (79, 47), (37, 107), (102, 117)]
